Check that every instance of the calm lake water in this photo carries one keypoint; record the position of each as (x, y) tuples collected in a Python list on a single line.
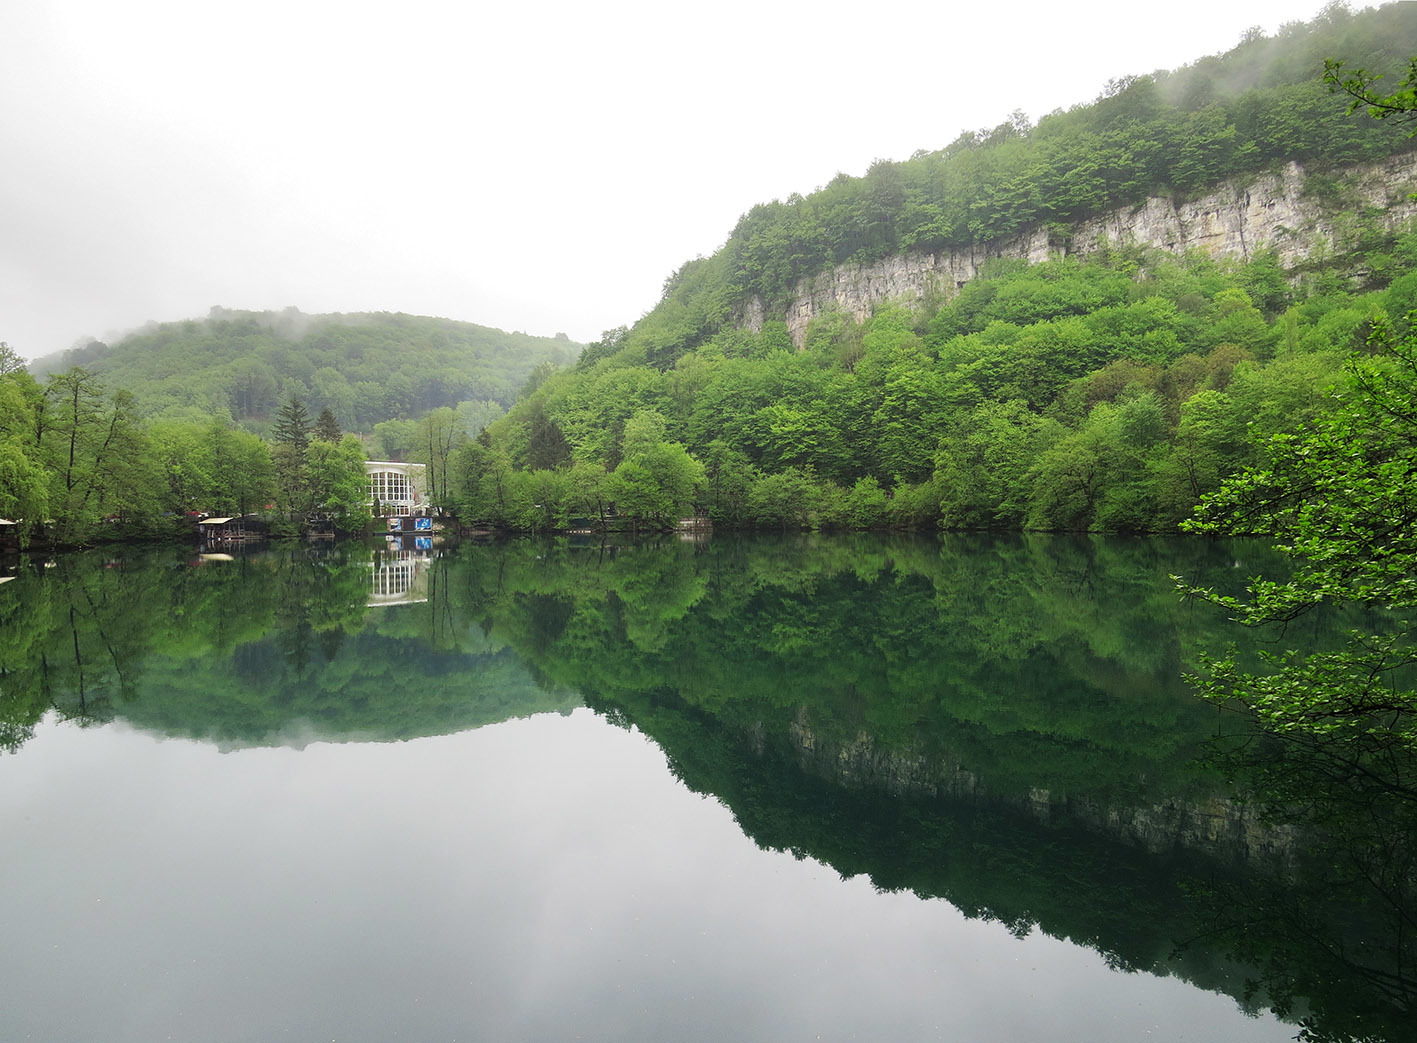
[(754, 789)]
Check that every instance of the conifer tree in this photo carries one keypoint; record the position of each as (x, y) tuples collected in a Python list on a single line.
[(292, 426), (292, 436), (327, 428)]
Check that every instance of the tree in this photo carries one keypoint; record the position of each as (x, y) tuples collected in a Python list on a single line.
[(394, 438), (243, 473), (437, 436), (658, 480), (184, 456), (292, 426), (1338, 498), (10, 361), (327, 427), (291, 483), (480, 478), (547, 447), (292, 437), (787, 499), (95, 453), (24, 495), (338, 483), (983, 466)]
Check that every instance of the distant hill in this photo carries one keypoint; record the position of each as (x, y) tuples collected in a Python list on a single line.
[(366, 368)]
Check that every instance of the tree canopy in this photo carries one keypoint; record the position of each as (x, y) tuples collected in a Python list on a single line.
[(362, 368)]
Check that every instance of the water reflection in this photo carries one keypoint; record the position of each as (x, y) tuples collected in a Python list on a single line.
[(994, 721), (400, 575)]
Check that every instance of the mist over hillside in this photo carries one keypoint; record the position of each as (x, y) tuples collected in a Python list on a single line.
[(1098, 385), (365, 368)]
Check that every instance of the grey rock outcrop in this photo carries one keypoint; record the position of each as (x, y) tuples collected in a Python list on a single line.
[(1214, 825), (1278, 211)]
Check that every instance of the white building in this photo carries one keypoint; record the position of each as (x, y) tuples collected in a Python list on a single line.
[(397, 489)]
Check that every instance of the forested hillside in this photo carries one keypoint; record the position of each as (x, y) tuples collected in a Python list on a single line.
[(363, 368), (1258, 106), (1101, 392)]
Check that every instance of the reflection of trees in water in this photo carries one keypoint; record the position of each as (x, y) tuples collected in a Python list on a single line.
[(1325, 939), (970, 717), (273, 643), (1337, 939)]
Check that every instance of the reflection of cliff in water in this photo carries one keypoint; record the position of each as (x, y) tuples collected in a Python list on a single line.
[(1311, 921), (1212, 824), (998, 721)]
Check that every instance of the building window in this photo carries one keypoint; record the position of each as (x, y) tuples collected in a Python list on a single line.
[(390, 487)]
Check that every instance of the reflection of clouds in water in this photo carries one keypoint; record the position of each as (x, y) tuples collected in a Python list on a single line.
[(540, 879)]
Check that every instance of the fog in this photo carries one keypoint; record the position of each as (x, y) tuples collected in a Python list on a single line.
[(542, 168)]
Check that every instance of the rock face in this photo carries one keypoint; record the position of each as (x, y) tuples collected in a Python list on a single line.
[(1281, 211), (1214, 825)]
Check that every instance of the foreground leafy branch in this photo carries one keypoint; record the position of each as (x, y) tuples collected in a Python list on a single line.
[(1341, 499), (1361, 86)]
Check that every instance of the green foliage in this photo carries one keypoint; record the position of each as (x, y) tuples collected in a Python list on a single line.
[(1361, 85), (1335, 496), (657, 482), (24, 486), (1078, 420), (292, 426), (339, 485), (787, 499), (436, 437), (984, 465), (364, 369), (326, 427)]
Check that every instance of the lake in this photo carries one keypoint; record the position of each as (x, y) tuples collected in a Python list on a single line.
[(855, 788)]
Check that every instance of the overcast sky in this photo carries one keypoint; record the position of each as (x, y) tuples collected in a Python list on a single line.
[(538, 166)]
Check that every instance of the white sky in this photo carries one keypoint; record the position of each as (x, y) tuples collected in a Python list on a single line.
[(537, 166)]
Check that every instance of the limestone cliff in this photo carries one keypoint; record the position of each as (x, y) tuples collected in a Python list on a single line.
[(1214, 825), (1279, 211)]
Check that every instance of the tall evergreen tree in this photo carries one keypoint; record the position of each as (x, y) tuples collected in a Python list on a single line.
[(327, 427), (292, 426), (292, 436)]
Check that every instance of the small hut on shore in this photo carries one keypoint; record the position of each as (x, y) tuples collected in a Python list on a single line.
[(234, 530)]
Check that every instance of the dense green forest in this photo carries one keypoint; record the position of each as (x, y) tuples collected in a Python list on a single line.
[(1101, 394), (79, 466), (1178, 133), (1109, 392), (365, 369), (1106, 392), (243, 412)]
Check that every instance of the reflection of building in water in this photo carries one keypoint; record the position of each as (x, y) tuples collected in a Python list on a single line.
[(395, 488), (400, 578)]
